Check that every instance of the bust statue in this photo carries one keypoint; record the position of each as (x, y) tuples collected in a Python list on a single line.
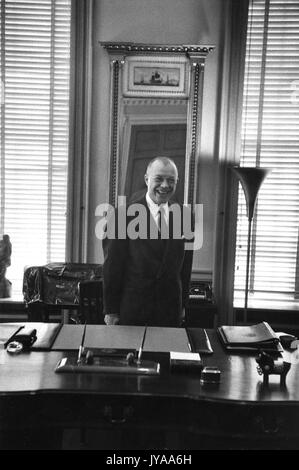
[(5, 255)]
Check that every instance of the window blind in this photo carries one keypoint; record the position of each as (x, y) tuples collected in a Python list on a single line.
[(270, 139), (35, 69)]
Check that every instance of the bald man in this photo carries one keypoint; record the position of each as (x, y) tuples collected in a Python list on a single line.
[(146, 279)]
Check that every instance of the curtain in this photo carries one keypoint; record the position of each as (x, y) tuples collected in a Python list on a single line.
[(34, 137), (270, 139)]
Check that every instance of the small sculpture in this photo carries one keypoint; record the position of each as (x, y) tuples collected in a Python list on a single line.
[(5, 255), (267, 365)]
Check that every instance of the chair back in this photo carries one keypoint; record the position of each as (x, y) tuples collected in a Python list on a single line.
[(91, 302)]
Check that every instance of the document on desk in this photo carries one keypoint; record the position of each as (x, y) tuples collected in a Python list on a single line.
[(69, 338), (160, 339), (122, 337), (113, 337)]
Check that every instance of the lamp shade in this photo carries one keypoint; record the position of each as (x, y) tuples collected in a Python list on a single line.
[(251, 179)]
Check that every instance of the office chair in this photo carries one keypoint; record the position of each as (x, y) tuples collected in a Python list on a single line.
[(91, 302)]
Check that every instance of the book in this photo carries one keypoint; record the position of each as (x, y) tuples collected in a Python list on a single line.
[(186, 362), (250, 338)]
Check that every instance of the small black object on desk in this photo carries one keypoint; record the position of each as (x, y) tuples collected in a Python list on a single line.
[(268, 365), (210, 375), (22, 341)]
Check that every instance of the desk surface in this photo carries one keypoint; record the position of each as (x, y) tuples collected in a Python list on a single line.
[(34, 372), (171, 398)]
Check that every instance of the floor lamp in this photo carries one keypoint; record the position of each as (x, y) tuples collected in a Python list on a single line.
[(251, 179)]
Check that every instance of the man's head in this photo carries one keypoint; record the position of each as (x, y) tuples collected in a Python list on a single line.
[(161, 178)]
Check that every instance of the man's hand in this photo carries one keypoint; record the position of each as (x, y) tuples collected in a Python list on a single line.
[(112, 319)]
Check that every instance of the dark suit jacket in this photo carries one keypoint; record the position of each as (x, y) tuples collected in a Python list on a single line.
[(146, 281)]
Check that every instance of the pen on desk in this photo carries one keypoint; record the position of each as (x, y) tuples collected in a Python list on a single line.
[(81, 347), (141, 347)]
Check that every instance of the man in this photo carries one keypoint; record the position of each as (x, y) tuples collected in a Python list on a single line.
[(146, 280)]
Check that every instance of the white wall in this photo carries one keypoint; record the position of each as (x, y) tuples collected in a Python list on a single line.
[(165, 22)]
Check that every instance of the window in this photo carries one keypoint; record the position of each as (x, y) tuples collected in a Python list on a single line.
[(270, 139), (35, 69)]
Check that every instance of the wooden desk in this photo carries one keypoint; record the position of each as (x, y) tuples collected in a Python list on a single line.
[(238, 413)]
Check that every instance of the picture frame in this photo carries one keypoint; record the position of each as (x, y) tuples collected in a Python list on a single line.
[(148, 76)]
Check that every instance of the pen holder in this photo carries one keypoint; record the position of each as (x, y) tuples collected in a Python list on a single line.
[(92, 362), (267, 365)]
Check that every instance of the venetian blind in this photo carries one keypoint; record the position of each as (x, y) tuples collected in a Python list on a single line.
[(270, 139), (35, 68)]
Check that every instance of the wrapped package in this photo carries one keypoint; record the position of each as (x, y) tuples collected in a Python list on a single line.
[(57, 283)]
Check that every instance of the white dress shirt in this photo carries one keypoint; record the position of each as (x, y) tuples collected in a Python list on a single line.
[(155, 208)]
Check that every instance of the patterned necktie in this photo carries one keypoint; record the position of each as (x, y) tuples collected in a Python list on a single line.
[(161, 222)]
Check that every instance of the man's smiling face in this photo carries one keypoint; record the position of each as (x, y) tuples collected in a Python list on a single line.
[(161, 180)]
